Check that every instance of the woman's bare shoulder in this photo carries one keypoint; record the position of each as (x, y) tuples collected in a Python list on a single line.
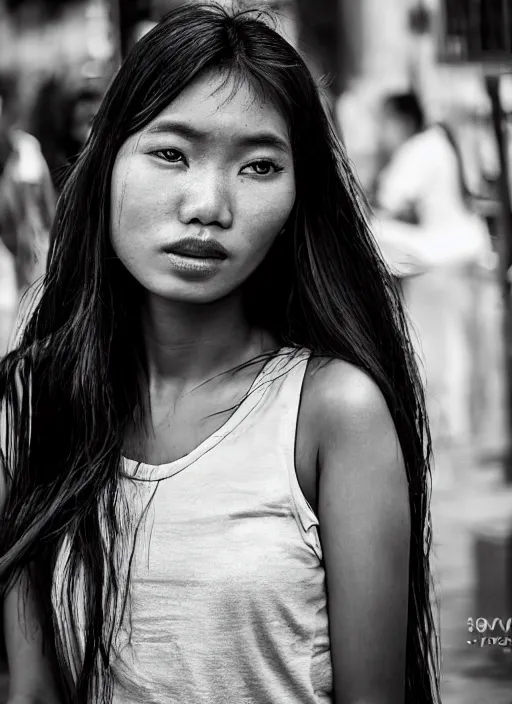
[(338, 392), (342, 414)]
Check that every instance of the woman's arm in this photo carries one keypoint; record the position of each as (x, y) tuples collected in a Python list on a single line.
[(31, 671), (365, 530)]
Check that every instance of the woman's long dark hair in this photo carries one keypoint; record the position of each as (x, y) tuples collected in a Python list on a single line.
[(80, 360)]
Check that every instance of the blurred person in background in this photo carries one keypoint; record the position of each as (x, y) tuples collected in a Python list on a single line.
[(433, 241), (26, 206), (230, 452), (61, 121)]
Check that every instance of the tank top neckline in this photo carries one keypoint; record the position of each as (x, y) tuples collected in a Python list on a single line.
[(150, 472)]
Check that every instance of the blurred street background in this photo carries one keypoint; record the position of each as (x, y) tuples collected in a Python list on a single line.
[(420, 91)]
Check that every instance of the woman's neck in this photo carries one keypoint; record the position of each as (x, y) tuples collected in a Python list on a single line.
[(195, 342)]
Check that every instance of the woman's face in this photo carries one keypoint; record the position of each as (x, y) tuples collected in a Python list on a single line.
[(202, 192)]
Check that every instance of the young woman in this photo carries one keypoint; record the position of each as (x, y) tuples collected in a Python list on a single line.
[(216, 451)]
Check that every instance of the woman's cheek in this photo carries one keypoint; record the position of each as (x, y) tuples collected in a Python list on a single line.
[(271, 209), (265, 228), (142, 205)]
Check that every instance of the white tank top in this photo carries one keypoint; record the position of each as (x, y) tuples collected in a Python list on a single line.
[(227, 598)]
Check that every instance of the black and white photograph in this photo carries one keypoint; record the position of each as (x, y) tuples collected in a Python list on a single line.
[(255, 351)]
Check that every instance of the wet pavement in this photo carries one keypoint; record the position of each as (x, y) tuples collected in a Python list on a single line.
[(476, 500)]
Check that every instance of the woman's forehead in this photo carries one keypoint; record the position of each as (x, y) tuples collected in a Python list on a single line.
[(218, 100)]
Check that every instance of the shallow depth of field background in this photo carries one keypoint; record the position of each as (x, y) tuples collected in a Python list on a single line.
[(360, 50)]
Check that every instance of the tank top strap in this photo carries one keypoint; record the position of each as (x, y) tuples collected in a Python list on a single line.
[(287, 374)]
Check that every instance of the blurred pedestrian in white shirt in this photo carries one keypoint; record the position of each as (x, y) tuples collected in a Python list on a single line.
[(26, 208), (433, 242)]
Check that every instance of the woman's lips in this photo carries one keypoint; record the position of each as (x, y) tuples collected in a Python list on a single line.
[(199, 249), (193, 266)]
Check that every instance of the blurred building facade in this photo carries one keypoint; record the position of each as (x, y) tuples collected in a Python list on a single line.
[(395, 47), (361, 50)]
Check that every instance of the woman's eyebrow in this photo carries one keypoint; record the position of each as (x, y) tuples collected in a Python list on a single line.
[(267, 138)]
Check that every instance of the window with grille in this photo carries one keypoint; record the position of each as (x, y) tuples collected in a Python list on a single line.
[(477, 30)]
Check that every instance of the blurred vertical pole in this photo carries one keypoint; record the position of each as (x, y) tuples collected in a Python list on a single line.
[(319, 36), (115, 20), (129, 14), (498, 118), (350, 44)]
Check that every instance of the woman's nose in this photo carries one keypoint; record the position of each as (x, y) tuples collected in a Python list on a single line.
[(207, 200)]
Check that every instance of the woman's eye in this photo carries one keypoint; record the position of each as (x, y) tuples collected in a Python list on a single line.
[(264, 167), (173, 156)]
